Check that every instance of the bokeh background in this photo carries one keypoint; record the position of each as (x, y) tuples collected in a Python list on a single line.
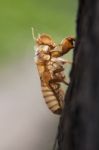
[(25, 121)]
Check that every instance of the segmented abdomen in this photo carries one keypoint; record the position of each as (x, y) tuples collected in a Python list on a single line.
[(54, 100)]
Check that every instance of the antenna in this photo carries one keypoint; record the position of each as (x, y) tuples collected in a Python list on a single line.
[(34, 38)]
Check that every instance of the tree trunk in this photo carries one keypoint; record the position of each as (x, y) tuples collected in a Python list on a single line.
[(79, 123)]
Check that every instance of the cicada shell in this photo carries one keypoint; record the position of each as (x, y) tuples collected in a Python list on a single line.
[(51, 71)]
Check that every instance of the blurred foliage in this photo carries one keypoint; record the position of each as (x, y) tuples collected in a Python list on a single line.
[(54, 17)]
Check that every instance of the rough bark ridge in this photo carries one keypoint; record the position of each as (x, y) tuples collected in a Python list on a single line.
[(79, 123)]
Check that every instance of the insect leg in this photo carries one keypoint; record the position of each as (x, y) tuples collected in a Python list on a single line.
[(66, 83), (60, 77)]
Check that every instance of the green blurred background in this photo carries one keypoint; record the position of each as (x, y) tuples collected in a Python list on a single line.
[(54, 17), (25, 121)]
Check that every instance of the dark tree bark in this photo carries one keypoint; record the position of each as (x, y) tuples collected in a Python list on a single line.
[(79, 123)]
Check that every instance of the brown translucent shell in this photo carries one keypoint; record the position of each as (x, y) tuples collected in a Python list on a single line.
[(45, 39)]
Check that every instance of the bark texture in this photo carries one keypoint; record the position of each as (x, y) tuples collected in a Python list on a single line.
[(79, 123)]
